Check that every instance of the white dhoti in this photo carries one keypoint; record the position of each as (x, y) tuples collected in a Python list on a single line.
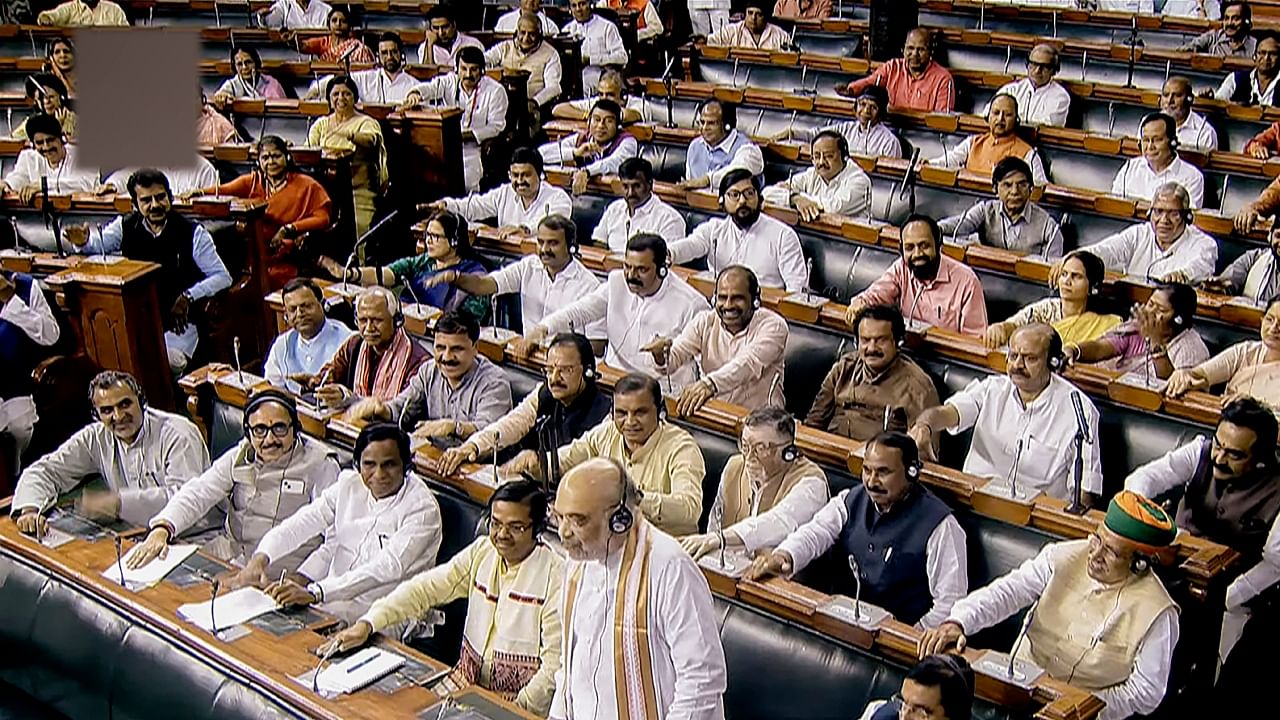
[(472, 167)]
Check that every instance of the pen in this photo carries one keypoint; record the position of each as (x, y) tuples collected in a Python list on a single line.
[(362, 663), (282, 576)]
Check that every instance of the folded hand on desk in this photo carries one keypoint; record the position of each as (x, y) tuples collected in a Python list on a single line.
[(450, 460), (32, 522), (775, 563), (288, 592)]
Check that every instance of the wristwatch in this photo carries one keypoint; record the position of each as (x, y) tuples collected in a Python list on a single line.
[(317, 592)]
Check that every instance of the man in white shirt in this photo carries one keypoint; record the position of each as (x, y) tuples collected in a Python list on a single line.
[(200, 174), (754, 32), (312, 339), (1101, 619), (640, 303), (1158, 164), (520, 205), (638, 211), (1023, 422), (766, 491), (28, 331), (890, 510), (443, 41), (507, 22), (1166, 248), (482, 100), (387, 84), (611, 86), (380, 523), (1194, 132), (49, 157), (599, 150), (739, 348), (746, 237), (551, 278), (667, 647), (1041, 99), (1257, 86), (295, 15), (601, 41), (144, 455), (1231, 496), (718, 148), (268, 476), (867, 134), (833, 185)]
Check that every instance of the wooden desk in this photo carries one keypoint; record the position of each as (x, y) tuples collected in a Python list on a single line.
[(267, 662)]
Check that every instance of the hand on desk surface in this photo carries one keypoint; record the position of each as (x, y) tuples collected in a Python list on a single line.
[(288, 592), (32, 522), (349, 639), (947, 636), (155, 546)]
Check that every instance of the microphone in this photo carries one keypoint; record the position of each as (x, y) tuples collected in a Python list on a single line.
[(33, 84), (400, 420), (808, 279), (214, 584), (914, 301), (51, 217), (360, 241), (853, 265), (773, 386), (235, 352), (1077, 506), (667, 81), (1081, 422), (1022, 634), (315, 676), (909, 179), (495, 460), (119, 560), (1013, 471), (857, 589)]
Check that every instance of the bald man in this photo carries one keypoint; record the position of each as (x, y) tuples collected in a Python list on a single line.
[(668, 618), (1042, 99), (1194, 132), (914, 80)]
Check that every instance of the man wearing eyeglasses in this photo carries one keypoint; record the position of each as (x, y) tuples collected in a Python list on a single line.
[(269, 475), (142, 454), (1041, 99), (746, 237), (512, 583), (905, 545), (312, 339)]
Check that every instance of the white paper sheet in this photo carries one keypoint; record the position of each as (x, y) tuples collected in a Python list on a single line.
[(151, 573), (357, 671), (238, 606)]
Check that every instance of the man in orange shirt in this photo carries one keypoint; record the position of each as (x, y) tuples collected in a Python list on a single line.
[(914, 80)]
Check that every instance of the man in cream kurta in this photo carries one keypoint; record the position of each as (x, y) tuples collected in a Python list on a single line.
[(640, 634)]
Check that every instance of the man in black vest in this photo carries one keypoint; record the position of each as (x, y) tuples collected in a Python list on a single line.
[(565, 406), (190, 268), (904, 543), (1231, 496), (1257, 86)]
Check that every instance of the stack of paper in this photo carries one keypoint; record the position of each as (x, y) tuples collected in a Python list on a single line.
[(235, 607), (357, 671), (151, 573)]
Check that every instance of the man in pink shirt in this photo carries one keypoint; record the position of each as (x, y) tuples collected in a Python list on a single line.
[(929, 286), (740, 345), (802, 9), (914, 81)]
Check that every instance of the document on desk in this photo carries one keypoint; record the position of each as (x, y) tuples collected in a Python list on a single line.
[(151, 573), (359, 670), (234, 608)]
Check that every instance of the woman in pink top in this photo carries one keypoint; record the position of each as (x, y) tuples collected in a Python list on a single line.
[(247, 80), (1250, 368)]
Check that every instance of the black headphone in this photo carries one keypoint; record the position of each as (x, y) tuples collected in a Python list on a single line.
[(120, 378), (397, 313), (914, 468), (271, 395), (790, 453), (1140, 564), (662, 271), (621, 519)]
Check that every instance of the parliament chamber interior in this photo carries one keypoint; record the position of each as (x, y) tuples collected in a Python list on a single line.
[(686, 359)]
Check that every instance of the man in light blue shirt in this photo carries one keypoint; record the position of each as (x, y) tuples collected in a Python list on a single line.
[(298, 354), (718, 148)]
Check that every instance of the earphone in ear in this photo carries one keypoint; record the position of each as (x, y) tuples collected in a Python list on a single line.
[(755, 303), (662, 271), (1140, 564), (913, 470), (621, 519), (727, 127), (790, 453), (588, 374)]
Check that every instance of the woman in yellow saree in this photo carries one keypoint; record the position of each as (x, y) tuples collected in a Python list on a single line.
[(344, 130), (1072, 312)]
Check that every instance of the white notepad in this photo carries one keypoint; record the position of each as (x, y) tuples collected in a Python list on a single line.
[(238, 606), (151, 573), (357, 671)]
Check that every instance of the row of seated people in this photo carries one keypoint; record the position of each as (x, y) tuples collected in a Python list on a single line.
[(283, 470)]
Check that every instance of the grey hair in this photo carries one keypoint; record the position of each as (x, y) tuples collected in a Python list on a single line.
[(1177, 191), (108, 378), (386, 296)]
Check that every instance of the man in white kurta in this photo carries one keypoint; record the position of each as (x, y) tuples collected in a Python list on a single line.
[(753, 32), (296, 15), (746, 237), (637, 211), (507, 21), (1041, 99), (639, 303), (387, 84), (482, 100), (637, 612), (381, 524), (601, 41), (1166, 248), (833, 185), (521, 204)]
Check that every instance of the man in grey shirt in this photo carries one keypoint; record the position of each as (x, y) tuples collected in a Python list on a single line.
[(144, 455), (452, 395), (1230, 40), (1010, 221), (1254, 274)]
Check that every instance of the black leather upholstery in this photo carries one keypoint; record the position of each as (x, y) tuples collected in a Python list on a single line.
[(459, 518)]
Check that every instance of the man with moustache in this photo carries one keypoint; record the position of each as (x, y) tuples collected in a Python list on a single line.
[(833, 185), (1256, 86), (379, 522), (551, 278), (875, 387), (1010, 221), (753, 32), (746, 237), (611, 86), (934, 289), (49, 161), (142, 454), (1194, 132), (601, 41), (1231, 496), (378, 361), (443, 41), (1232, 39), (599, 150), (528, 51), (666, 645), (662, 458), (1101, 620), (1168, 248), (268, 476), (740, 347), (190, 268), (766, 491), (719, 147), (1254, 274), (1158, 165), (387, 84), (454, 393), (519, 205), (482, 100), (639, 303), (867, 134), (638, 211), (1023, 421), (512, 582), (297, 355), (980, 153), (1043, 101), (891, 514), (568, 403)]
